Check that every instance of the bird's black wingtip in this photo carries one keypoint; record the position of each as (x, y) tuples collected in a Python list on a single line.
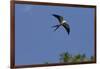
[(54, 15), (68, 33)]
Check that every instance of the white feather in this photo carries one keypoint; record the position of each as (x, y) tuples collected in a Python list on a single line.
[(63, 21)]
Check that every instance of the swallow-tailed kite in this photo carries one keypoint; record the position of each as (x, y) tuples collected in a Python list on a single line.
[(62, 23)]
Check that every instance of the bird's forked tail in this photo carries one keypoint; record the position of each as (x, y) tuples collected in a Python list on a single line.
[(57, 26)]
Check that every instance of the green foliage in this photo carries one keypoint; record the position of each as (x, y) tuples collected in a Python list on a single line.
[(46, 62), (68, 58), (92, 58), (77, 58), (65, 57)]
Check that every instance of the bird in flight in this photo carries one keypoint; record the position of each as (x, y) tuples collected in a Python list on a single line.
[(62, 22)]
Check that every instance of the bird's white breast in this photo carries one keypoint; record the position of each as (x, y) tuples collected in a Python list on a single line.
[(63, 21)]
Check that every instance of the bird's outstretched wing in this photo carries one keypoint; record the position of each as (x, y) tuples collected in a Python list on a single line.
[(60, 18), (67, 28)]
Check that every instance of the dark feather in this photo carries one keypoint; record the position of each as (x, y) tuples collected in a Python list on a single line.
[(67, 28), (57, 26), (60, 18), (65, 25)]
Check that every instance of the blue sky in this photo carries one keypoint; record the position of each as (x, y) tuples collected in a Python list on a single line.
[(35, 40)]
